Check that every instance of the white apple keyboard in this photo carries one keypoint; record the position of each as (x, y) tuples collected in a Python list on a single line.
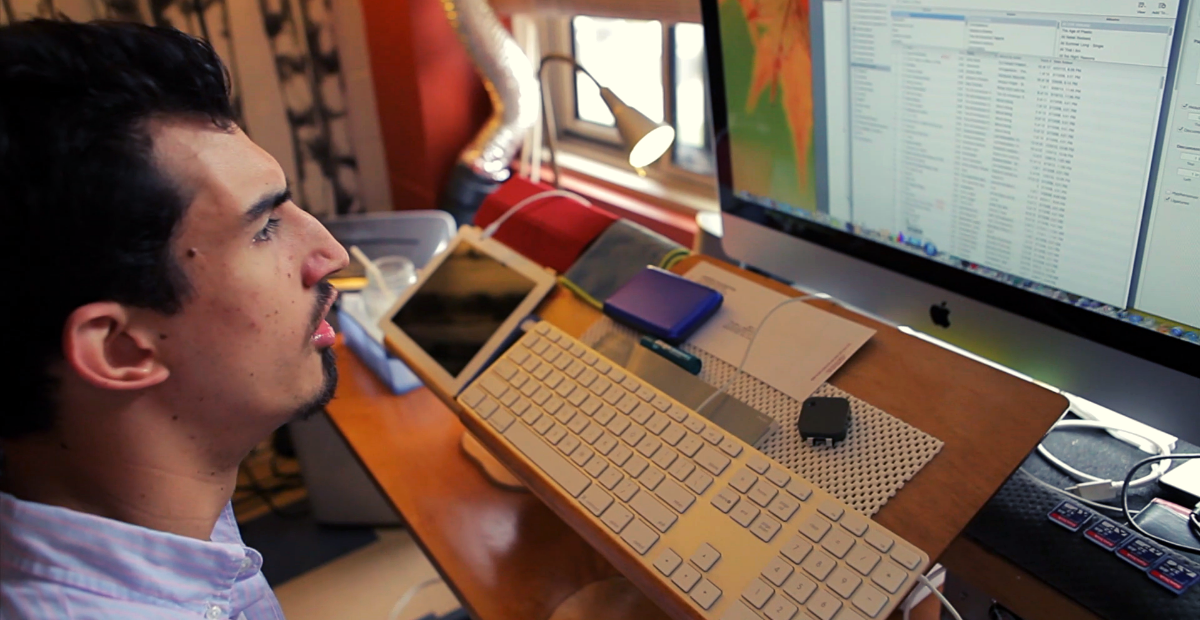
[(736, 536)]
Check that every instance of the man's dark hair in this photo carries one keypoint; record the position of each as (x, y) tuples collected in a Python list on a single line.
[(87, 216)]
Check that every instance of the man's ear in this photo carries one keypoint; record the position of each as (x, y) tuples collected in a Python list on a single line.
[(107, 351)]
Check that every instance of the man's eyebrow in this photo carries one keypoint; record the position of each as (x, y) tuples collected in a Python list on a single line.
[(267, 203)]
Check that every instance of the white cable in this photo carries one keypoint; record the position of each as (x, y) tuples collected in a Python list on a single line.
[(917, 595), (941, 597), (1156, 471), (494, 226), (407, 597), (750, 345), (1073, 496)]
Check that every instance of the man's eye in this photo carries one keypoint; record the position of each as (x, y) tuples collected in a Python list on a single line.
[(268, 231)]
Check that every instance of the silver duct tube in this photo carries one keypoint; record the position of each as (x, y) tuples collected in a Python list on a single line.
[(510, 80)]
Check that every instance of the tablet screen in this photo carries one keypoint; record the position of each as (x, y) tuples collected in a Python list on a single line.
[(458, 308)]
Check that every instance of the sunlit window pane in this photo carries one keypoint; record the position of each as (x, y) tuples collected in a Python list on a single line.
[(692, 149), (624, 55)]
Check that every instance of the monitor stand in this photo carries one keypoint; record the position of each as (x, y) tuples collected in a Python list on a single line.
[(498, 474)]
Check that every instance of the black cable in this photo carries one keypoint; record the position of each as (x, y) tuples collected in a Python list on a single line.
[(1125, 500)]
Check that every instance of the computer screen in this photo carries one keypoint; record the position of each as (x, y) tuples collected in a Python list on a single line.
[(461, 305), (1049, 145)]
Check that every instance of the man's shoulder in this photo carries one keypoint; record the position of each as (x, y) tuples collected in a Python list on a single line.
[(28, 596)]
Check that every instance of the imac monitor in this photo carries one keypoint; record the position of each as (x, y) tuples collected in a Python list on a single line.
[(1020, 178)]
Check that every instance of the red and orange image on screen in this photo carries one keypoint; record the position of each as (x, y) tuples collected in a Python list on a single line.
[(767, 57)]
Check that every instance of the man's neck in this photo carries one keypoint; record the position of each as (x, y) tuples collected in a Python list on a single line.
[(159, 486)]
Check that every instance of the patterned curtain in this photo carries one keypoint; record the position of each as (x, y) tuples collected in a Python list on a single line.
[(300, 111)]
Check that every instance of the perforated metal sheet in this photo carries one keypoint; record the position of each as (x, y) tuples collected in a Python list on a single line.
[(879, 455)]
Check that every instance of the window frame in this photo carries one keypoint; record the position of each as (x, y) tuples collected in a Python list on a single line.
[(595, 150)]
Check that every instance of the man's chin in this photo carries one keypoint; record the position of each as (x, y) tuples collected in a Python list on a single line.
[(317, 403)]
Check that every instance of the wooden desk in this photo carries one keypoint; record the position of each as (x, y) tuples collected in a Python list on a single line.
[(508, 556)]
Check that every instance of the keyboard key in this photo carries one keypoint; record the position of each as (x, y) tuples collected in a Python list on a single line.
[(667, 562), (505, 369), (555, 466), (659, 423), (619, 455), (529, 388), (674, 495), (588, 377), (765, 528), (705, 594), (889, 577), (521, 406), (664, 457), (651, 478), (473, 396), (590, 358), (838, 542), (520, 379), (543, 425), (568, 444), (539, 346), (631, 384), (563, 362), (681, 469), (577, 349), (554, 404), (578, 423), (705, 557), (487, 408), (493, 384), (613, 395), (757, 593), (712, 435), (592, 434), (690, 444), (743, 480), (595, 499), (578, 397), (677, 413), (635, 466), (796, 549), (779, 608), (784, 507), (814, 527), (725, 500), (602, 366), (647, 445), (626, 489), (698, 482), (633, 435), (744, 513), (604, 414), (799, 588), (823, 605), (610, 476), (757, 462), (854, 523), (906, 557), (730, 446), (501, 420), (600, 386), (762, 493), (818, 565), (574, 369), (627, 404), (590, 405), (554, 379), (843, 581), (555, 434), (653, 511), (662, 403), (639, 536), (777, 571), (509, 397), (878, 539), (686, 577), (672, 434), (693, 423), (565, 388), (870, 601), (862, 559), (531, 415), (713, 461), (778, 476), (541, 396), (831, 509), (642, 413), (518, 354), (799, 490), (618, 425), (646, 394), (594, 467), (553, 336), (531, 364)]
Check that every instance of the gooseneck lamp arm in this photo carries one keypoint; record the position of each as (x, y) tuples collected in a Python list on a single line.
[(547, 123)]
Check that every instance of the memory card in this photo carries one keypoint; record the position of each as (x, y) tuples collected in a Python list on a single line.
[(1071, 515), (1141, 553), (1175, 574), (1107, 534)]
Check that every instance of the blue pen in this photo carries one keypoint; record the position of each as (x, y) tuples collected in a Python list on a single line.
[(680, 358)]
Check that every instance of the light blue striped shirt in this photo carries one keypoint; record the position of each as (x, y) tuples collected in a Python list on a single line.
[(57, 563)]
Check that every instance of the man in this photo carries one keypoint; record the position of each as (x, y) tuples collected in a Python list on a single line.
[(164, 313)]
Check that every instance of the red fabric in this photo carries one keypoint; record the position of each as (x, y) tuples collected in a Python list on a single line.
[(551, 231)]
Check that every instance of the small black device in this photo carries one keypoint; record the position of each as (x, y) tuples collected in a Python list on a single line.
[(824, 420)]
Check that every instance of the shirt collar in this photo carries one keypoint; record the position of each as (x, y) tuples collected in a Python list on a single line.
[(111, 554)]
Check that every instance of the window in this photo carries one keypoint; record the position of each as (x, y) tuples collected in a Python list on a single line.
[(655, 66)]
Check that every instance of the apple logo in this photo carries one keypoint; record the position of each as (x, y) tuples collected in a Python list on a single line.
[(940, 315)]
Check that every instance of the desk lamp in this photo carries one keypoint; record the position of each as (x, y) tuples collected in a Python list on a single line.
[(645, 141)]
